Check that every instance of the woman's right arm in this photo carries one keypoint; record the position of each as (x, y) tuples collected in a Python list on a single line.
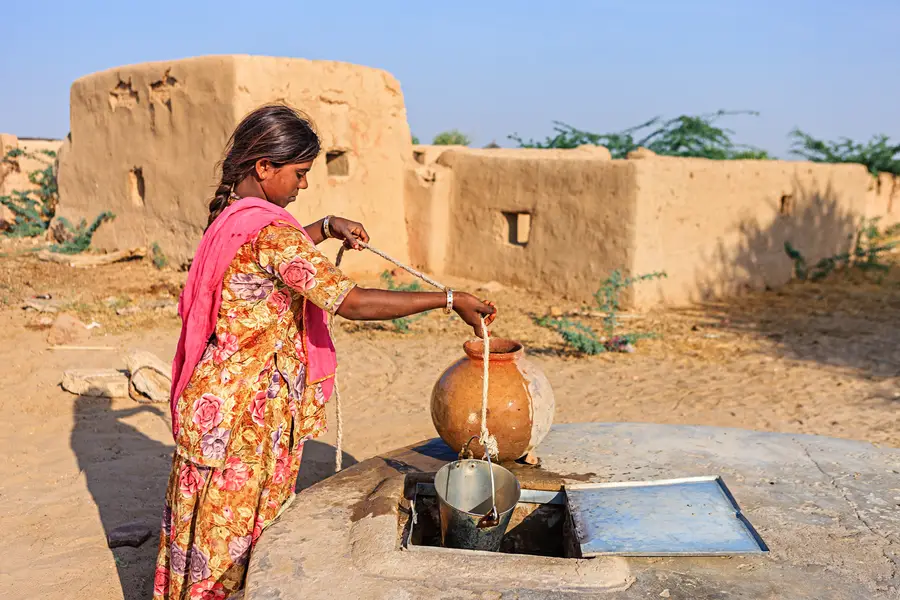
[(364, 304)]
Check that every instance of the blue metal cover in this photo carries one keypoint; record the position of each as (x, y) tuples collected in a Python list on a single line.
[(694, 516)]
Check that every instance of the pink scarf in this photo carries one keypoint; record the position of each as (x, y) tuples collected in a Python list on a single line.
[(202, 296)]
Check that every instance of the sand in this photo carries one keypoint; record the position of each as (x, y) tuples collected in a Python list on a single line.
[(810, 358)]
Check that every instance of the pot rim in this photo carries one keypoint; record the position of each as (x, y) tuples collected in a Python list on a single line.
[(502, 349)]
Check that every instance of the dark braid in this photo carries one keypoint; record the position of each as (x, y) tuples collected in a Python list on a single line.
[(276, 132), (219, 202)]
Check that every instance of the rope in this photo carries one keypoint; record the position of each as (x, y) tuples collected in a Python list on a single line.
[(486, 439)]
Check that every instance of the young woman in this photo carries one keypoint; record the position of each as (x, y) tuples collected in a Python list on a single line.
[(255, 362)]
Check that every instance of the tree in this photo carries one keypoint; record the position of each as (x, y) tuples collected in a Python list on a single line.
[(451, 138), (878, 155), (686, 136)]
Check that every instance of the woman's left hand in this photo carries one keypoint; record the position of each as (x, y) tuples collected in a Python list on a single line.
[(349, 231)]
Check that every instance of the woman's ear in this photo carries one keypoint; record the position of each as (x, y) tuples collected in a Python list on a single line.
[(264, 169)]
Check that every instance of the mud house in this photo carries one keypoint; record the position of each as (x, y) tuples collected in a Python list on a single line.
[(145, 138)]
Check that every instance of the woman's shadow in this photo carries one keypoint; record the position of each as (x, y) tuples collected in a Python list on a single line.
[(127, 472)]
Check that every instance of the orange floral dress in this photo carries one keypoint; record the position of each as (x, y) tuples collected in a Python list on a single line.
[(244, 416)]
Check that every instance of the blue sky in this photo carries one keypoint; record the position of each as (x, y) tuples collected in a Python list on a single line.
[(496, 67)]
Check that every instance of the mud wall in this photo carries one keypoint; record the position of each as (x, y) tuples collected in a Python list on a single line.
[(563, 220), (146, 138)]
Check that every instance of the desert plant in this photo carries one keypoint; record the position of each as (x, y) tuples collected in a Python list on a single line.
[(415, 141), (158, 257), (582, 338), (878, 155), (402, 324), (686, 136), (869, 249), (451, 138), (33, 209), (81, 234)]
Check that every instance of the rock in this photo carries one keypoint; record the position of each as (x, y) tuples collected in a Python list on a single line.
[(57, 232), (556, 311), (7, 218), (149, 379), (491, 286), (41, 305), (640, 153), (103, 383), (664, 593), (67, 330), (130, 534)]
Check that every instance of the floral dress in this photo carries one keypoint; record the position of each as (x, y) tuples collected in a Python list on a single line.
[(242, 420)]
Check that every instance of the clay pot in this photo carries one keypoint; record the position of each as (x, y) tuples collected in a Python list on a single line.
[(520, 400)]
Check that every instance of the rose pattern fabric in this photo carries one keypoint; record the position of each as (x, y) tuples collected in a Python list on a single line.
[(239, 549), (215, 442), (280, 301), (248, 286), (241, 422), (207, 412), (208, 590), (226, 345), (258, 408), (233, 476), (299, 274), (190, 480), (160, 581)]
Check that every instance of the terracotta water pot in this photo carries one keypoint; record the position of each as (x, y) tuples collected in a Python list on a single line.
[(520, 400)]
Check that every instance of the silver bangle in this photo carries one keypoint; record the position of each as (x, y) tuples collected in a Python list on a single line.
[(325, 228), (449, 308)]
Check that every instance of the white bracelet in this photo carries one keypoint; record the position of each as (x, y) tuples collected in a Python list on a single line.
[(325, 228), (449, 308)]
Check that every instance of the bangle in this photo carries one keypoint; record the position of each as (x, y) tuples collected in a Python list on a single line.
[(325, 228), (449, 308)]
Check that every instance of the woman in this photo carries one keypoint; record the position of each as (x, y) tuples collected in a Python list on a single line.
[(255, 363)]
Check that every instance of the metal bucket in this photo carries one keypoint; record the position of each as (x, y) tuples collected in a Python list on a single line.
[(472, 518)]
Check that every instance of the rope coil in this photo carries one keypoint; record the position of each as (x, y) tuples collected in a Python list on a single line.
[(487, 440)]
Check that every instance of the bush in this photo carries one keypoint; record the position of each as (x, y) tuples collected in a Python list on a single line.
[(451, 138), (685, 136), (402, 324), (583, 338), (35, 208), (878, 155), (869, 250)]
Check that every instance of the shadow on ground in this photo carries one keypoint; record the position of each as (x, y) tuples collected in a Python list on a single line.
[(126, 473), (850, 320)]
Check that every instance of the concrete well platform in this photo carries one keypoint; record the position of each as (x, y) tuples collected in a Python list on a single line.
[(828, 509)]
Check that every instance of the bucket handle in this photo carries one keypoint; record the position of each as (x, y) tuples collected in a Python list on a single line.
[(490, 519)]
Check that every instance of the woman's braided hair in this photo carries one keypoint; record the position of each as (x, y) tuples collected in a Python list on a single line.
[(276, 132)]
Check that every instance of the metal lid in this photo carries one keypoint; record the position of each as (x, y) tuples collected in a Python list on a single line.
[(690, 517)]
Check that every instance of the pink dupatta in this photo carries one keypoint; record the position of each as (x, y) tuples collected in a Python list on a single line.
[(201, 299)]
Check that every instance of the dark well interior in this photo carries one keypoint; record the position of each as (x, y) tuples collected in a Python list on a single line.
[(535, 529)]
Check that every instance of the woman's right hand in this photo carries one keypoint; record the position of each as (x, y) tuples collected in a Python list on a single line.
[(470, 309)]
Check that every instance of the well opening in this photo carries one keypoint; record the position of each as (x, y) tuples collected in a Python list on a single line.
[(540, 525)]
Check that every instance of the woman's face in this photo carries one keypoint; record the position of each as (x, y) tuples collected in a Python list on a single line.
[(281, 184)]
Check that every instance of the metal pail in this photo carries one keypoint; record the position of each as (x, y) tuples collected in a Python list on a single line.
[(464, 491)]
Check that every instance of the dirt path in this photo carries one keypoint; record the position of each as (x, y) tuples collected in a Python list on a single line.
[(818, 359)]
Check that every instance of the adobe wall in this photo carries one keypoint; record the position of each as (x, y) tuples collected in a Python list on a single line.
[(146, 138), (540, 219), (715, 227), (15, 177), (719, 227)]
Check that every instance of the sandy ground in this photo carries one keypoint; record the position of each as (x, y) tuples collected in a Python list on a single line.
[(811, 358)]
